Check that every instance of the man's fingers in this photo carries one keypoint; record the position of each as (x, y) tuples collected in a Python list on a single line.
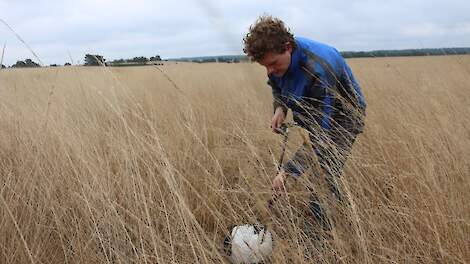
[(278, 184), (275, 124), (275, 128)]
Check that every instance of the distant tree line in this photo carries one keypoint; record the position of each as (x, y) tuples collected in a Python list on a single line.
[(223, 58), (346, 54), (89, 60), (28, 63), (405, 52), (135, 61), (97, 60)]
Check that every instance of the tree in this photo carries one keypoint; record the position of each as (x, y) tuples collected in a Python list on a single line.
[(140, 59), (156, 58), (19, 64), (3, 66), (28, 63), (67, 64), (94, 60)]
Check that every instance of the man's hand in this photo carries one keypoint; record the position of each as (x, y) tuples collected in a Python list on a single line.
[(278, 119), (278, 182)]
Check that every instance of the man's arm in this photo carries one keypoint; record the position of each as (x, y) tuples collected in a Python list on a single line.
[(280, 109), (327, 101), (321, 92)]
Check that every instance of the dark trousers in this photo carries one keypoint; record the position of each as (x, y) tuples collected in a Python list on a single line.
[(332, 156), (332, 150)]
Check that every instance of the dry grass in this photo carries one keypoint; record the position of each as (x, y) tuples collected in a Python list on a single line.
[(120, 165)]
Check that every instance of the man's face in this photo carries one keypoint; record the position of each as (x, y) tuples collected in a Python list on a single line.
[(277, 63)]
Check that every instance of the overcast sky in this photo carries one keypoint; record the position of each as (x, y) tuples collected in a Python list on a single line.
[(61, 30)]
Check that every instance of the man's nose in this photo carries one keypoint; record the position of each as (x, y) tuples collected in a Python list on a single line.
[(269, 70)]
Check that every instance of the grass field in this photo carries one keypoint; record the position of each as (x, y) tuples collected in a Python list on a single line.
[(147, 165)]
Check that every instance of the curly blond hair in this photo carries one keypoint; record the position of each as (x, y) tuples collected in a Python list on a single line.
[(266, 35)]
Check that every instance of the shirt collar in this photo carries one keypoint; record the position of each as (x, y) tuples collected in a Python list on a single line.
[(295, 62)]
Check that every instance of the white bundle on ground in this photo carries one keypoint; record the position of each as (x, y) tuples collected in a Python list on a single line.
[(249, 244)]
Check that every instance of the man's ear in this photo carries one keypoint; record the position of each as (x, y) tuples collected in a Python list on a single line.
[(289, 47)]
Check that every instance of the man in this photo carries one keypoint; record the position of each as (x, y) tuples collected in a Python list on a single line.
[(315, 82)]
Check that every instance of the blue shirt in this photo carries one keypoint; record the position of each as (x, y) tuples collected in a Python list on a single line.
[(318, 87)]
